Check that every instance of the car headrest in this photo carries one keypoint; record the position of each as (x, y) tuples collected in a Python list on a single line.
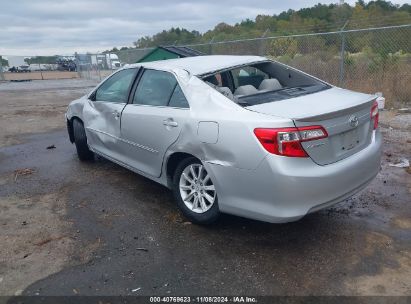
[(226, 92), (247, 89), (270, 84)]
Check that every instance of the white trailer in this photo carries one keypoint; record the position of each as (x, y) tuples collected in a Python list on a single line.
[(17, 64)]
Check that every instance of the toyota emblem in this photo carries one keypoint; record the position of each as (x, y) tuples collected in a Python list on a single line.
[(353, 121)]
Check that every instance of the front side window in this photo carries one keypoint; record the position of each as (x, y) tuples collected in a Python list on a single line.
[(116, 88), (155, 88)]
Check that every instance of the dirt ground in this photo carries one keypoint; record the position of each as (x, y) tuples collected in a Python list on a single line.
[(44, 75), (70, 228), (57, 75), (36, 106)]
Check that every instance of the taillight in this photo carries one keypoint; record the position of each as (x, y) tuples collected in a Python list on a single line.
[(374, 114), (287, 141)]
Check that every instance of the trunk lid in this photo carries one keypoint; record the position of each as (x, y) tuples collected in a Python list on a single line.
[(345, 115)]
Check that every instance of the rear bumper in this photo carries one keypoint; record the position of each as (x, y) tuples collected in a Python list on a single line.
[(283, 189)]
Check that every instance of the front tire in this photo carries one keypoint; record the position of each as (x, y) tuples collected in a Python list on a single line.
[(195, 192), (80, 140)]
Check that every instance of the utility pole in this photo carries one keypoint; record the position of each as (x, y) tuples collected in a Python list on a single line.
[(77, 62), (210, 45), (1, 68), (342, 55), (263, 42)]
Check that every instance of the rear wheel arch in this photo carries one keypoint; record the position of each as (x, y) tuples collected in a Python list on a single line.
[(172, 163)]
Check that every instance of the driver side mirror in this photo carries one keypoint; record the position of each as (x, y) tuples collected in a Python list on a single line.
[(92, 97)]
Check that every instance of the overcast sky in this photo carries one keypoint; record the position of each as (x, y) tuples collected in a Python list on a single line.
[(48, 27)]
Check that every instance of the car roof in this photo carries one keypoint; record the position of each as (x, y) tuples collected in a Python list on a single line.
[(200, 65)]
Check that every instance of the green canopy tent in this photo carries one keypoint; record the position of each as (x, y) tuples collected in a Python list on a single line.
[(169, 52)]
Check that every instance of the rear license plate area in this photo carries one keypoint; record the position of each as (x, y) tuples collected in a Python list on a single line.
[(349, 140)]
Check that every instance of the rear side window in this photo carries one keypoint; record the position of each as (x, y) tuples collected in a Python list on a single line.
[(155, 88), (115, 89), (178, 99)]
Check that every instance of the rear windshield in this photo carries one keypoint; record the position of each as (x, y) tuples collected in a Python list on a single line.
[(263, 82)]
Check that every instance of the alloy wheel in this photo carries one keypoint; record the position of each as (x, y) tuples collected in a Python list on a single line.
[(196, 188)]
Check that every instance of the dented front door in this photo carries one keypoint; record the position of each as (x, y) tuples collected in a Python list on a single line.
[(102, 113)]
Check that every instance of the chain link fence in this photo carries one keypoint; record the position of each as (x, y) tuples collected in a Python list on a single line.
[(368, 60), (98, 66)]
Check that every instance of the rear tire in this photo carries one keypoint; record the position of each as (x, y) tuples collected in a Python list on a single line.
[(195, 193), (80, 140)]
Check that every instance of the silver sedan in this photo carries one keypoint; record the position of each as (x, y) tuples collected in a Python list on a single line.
[(232, 134)]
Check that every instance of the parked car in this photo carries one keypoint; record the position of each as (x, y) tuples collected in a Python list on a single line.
[(66, 64), (20, 69), (242, 135)]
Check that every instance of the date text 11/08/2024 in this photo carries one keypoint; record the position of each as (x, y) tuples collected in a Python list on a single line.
[(235, 299)]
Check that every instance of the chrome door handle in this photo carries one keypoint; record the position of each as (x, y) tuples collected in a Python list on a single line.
[(170, 123)]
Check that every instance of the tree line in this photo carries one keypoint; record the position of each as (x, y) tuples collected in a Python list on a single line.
[(315, 19)]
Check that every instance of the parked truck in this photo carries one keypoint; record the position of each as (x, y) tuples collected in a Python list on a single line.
[(108, 61)]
